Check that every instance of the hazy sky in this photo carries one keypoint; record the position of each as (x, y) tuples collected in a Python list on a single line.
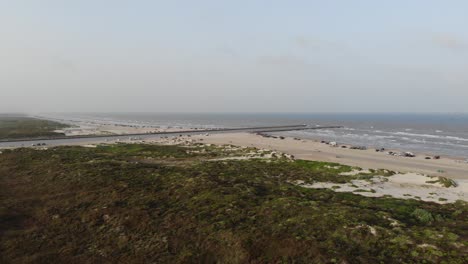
[(234, 56)]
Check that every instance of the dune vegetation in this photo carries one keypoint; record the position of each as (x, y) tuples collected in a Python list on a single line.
[(133, 203), (14, 127)]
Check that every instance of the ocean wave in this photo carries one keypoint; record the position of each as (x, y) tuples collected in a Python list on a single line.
[(417, 135), (456, 138), (433, 143), (431, 136), (366, 136)]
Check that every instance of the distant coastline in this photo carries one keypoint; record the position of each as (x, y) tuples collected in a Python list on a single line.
[(434, 134), (310, 149)]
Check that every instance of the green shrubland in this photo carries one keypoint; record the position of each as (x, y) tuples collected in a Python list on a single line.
[(169, 204), (12, 127)]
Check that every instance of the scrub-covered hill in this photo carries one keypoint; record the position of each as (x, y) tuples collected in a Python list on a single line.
[(199, 203)]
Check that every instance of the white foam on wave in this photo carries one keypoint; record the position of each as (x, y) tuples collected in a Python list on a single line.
[(426, 143), (430, 136), (456, 138)]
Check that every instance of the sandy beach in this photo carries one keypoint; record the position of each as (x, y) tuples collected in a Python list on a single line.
[(449, 167), (86, 128), (414, 178)]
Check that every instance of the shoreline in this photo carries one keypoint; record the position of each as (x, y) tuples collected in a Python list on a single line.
[(411, 178), (307, 149), (102, 127), (451, 167)]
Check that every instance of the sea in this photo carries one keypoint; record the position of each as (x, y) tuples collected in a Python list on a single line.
[(438, 134)]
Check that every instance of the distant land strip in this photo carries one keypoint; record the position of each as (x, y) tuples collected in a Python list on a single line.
[(215, 130)]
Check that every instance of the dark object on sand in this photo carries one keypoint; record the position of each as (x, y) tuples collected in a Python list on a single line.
[(428, 158), (281, 137), (344, 147), (359, 147), (436, 157), (265, 135), (409, 154)]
